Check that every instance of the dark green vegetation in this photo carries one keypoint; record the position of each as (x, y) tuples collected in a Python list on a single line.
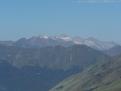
[(39, 69), (102, 76)]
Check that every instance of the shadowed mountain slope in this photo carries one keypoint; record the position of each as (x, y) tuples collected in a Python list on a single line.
[(52, 57), (40, 69)]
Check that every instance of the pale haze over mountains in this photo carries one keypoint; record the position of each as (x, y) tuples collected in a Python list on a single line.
[(40, 63), (64, 40)]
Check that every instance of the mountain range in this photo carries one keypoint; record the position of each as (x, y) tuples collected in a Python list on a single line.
[(63, 40), (40, 63), (40, 69)]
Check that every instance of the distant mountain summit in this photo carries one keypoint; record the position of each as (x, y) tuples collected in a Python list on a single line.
[(62, 40)]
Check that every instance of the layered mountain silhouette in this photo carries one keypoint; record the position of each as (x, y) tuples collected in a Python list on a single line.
[(40, 63), (40, 69), (62, 40)]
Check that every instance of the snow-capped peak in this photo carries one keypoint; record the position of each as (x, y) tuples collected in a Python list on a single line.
[(64, 37), (94, 43), (68, 40), (43, 36)]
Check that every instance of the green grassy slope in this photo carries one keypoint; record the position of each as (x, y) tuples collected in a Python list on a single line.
[(105, 76)]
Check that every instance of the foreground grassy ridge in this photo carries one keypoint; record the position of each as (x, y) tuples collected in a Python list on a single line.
[(104, 76)]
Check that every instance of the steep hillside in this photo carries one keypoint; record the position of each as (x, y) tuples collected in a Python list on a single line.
[(51, 57), (104, 76)]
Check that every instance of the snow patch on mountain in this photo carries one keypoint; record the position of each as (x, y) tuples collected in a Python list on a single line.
[(63, 40)]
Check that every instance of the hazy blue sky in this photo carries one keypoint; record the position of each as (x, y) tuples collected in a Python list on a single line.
[(100, 19)]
